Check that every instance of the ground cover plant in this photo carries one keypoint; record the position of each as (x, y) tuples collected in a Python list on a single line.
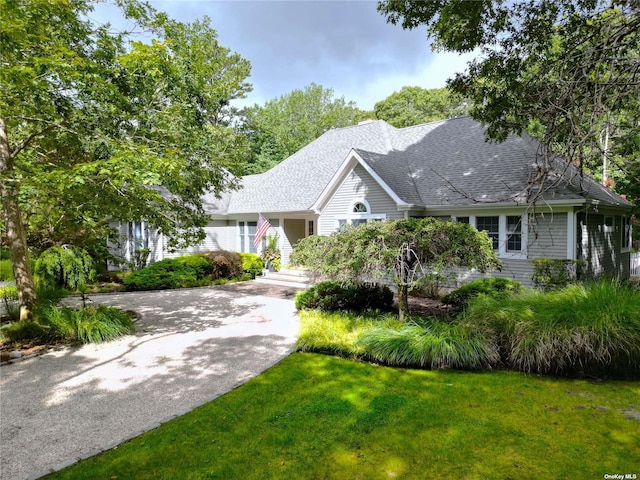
[(325, 417)]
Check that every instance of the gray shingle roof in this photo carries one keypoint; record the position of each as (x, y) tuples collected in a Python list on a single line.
[(439, 163)]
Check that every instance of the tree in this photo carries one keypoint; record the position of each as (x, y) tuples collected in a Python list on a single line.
[(565, 70), (416, 105), (408, 252), (286, 124), (94, 128)]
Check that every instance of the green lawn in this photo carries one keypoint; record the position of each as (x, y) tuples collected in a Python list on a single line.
[(315, 417)]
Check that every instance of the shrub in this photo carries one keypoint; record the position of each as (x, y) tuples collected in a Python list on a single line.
[(6, 271), (333, 296), (65, 267), (198, 264), (431, 343), (9, 301), (487, 286), (585, 330), (167, 273), (225, 264), (550, 274), (252, 264), (308, 251)]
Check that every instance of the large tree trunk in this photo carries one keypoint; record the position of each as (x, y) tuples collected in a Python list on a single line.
[(16, 236)]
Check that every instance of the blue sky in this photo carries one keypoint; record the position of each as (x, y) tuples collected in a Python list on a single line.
[(344, 45)]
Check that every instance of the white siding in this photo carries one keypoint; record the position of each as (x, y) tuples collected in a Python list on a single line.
[(217, 237), (358, 185)]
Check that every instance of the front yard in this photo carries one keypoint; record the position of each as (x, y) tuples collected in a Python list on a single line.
[(314, 416)]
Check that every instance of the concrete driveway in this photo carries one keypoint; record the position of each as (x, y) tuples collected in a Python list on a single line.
[(191, 346)]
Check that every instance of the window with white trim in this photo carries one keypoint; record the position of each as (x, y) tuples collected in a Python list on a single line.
[(247, 233), (359, 212), (514, 233), (491, 225), (508, 233)]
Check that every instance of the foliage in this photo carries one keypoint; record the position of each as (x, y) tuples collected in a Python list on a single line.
[(431, 343), (65, 267), (199, 264), (6, 271), (167, 273), (407, 252), (549, 274), (309, 251), (332, 296), (97, 126), (587, 330), (271, 252), (415, 105), (284, 125), (324, 417), (9, 298), (225, 264), (487, 286), (84, 325), (563, 70), (91, 325), (252, 264)]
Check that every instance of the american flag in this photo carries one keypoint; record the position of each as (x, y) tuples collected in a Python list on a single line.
[(261, 230)]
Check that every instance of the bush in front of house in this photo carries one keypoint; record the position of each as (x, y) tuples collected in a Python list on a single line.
[(334, 296), (553, 273), (252, 264), (590, 330), (225, 264), (65, 267), (488, 286), (167, 273), (6, 271)]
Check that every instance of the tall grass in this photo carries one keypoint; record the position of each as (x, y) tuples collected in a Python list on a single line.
[(591, 330), (430, 343), (90, 325)]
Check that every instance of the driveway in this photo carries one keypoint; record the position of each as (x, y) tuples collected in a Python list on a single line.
[(191, 346)]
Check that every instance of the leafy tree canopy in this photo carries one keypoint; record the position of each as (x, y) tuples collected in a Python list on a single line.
[(93, 122), (416, 105), (565, 70), (284, 125)]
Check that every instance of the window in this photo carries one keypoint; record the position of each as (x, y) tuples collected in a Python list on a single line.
[(514, 234), (311, 228), (247, 231), (138, 236), (491, 225), (359, 212), (626, 233), (360, 207)]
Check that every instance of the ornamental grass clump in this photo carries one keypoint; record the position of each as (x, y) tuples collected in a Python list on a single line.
[(430, 343), (583, 330)]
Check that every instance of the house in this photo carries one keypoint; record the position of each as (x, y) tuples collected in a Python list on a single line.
[(374, 171)]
